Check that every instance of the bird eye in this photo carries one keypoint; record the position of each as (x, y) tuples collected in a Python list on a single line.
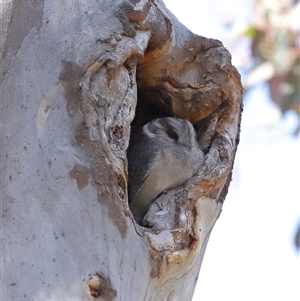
[(172, 134)]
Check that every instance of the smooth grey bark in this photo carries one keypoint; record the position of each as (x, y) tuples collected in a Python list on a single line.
[(68, 97)]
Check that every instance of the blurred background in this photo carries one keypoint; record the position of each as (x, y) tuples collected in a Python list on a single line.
[(253, 252)]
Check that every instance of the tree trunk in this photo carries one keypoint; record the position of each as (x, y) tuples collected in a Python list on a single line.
[(72, 75)]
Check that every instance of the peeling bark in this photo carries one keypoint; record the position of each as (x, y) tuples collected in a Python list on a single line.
[(76, 86)]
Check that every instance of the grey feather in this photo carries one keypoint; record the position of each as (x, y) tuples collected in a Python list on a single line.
[(162, 156)]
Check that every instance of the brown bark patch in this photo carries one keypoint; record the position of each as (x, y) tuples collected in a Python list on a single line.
[(69, 78), (81, 174)]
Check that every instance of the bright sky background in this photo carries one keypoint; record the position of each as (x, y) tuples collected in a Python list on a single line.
[(250, 255)]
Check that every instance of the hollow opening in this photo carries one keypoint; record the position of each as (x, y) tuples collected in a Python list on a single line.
[(170, 86), (147, 168)]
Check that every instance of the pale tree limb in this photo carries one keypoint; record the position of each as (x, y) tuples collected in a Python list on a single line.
[(75, 87)]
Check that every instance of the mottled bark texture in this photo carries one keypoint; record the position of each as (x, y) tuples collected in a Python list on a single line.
[(78, 77)]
